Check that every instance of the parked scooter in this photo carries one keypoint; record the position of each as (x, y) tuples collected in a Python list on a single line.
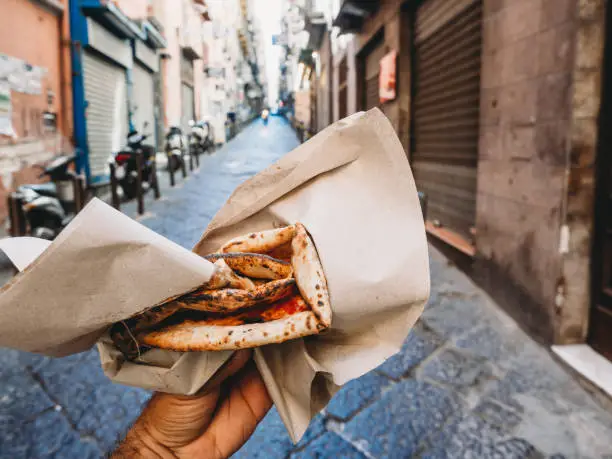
[(202, 138), (197, 137), (174, 148), (126, 169), (47, 206)]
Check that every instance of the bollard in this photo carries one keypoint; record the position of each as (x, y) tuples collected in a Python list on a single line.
[(139, 193), (197, 157), (16, 216), (78, 188), (155, 183), (170, 170), (190, 158), (113, 180), (183, 165)]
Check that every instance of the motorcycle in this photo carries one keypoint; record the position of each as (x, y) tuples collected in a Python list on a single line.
[(126, 169), (174, 148), (47, 206), (197, 137)]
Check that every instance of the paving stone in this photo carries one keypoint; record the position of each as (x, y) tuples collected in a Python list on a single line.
[(22, 396), (472, 436), (328, 446), (45, 436), (270, 440), (456, 369), (356, 394), (419, 344), (454, 316), (396, 424), (497, 415), (315, 430)]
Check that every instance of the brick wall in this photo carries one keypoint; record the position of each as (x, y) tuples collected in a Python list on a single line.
[(527, 64)]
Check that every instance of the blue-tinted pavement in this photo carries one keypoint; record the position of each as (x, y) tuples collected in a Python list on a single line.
[(468, 382)]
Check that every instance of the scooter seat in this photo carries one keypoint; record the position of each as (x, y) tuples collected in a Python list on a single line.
[(44, 189)]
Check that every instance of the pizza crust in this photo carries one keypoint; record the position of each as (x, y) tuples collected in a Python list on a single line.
[(261, 242), (254, 265), (309, 275), (198, 336), (228, 300)]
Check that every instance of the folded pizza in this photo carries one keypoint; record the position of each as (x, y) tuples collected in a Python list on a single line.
[(267, 287)]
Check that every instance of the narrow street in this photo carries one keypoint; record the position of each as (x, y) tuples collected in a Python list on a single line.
[(468, 382)]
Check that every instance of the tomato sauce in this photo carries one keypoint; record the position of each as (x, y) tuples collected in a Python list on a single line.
[(281, 309)]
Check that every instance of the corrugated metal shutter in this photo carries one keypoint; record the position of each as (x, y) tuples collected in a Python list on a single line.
[(107, 114), (448, 37), (371, 76), (342, 89), (144, 100), (187, 113)]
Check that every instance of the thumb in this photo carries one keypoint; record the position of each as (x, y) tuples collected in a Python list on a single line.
[(176, 420)]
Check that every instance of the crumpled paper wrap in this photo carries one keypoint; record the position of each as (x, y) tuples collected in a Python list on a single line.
[(353, 189)]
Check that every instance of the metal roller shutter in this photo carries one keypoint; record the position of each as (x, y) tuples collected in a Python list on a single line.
[(372, 72), (107, 114), (187, 113), (446, 103), (144, 100), (342, 89)]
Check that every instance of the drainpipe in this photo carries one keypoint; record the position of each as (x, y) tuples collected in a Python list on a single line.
[(78, 34)]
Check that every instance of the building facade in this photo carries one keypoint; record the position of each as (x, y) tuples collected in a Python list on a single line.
[(501, 108), (35, 97)]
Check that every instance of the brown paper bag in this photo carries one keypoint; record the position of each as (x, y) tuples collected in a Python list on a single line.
[(351, 186)]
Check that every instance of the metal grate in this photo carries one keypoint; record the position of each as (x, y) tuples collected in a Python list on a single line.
[(371, 76), (446, 110)]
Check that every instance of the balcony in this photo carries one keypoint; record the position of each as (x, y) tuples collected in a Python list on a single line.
[(353, 13), (316, 26)]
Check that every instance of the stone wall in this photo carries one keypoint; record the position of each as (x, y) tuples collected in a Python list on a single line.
[(526, 99), (574, 286)]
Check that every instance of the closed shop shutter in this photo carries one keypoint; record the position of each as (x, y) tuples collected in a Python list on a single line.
[(187, 113), (144, 100), (323, 100), (107, 114), (371, 76), (446, 110), (342, 89)]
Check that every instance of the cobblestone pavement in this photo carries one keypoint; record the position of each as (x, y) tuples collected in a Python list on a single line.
[(468, 382)]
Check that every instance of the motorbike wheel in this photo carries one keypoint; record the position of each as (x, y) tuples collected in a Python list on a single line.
[(42, 232), (174, 163), (129, 189)]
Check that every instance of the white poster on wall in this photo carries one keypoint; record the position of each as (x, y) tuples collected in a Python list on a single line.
[(21, 76), (6, 112)]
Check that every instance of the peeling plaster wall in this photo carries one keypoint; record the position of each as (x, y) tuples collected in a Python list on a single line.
[(526, 114), (574, 285)]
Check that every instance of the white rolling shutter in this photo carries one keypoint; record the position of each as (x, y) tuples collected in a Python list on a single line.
[(144, 100), (187, 113), (106, 113)]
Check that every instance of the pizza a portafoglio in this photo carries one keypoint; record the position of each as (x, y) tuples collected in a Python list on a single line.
[(267, 287)]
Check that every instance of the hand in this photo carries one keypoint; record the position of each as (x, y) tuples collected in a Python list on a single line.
[(214, 423)]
